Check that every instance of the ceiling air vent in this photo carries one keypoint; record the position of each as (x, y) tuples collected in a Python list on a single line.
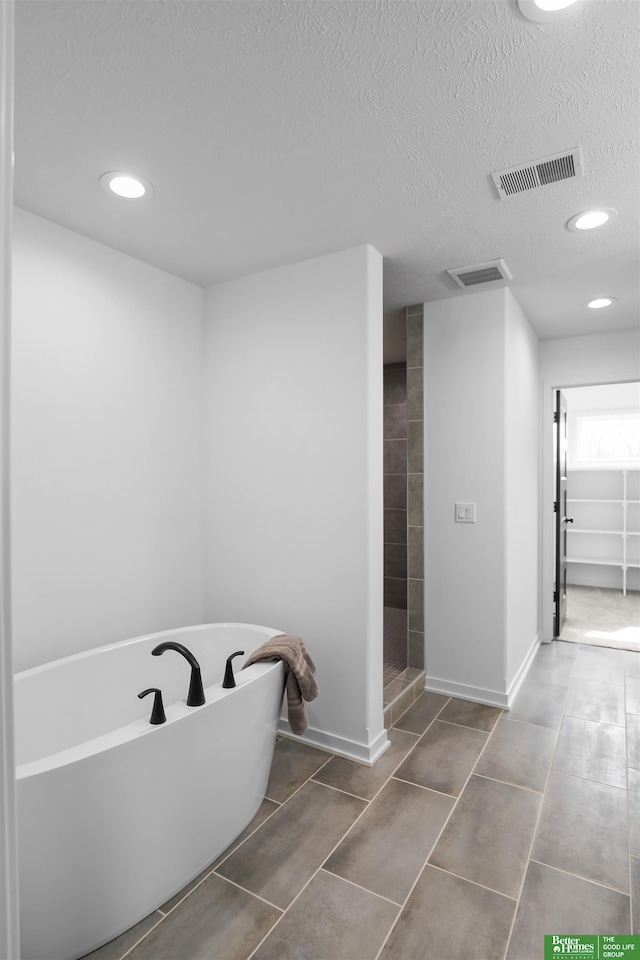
[(563, 166), (490, 272)]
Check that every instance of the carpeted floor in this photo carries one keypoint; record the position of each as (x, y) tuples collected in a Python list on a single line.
[(602, 618)]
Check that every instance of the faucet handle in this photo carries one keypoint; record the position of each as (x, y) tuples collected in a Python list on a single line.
[(229, 679), (157, 713)]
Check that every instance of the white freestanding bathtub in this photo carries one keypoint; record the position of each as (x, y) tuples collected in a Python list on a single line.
[(115, 815)]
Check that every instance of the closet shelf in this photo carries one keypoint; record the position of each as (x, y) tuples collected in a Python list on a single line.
[(596, 500), (597, 561), (616, 511), (617, 533)]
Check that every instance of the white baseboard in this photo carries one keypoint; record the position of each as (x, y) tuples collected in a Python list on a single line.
[(524, 669), (340, 746), (493, 698)]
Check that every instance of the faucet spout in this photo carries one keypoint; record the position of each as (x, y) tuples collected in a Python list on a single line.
[(195, 697)]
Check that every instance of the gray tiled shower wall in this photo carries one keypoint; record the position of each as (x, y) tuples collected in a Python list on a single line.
[(395, 485), (415, 486), (404, 486)]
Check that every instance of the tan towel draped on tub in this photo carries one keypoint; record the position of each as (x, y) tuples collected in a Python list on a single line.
[(299, 669)]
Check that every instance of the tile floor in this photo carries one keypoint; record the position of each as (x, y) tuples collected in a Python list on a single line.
[(477, 832)]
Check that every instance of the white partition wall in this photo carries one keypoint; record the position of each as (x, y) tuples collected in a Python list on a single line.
[(9, 925), (293, 475), (522, 478), (482, 445), (465, 571)]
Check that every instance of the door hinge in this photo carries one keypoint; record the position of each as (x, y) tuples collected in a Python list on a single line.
[(555, 596), (555, 416), (555, 506)]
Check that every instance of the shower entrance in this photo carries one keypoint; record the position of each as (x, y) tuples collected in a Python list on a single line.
[(403, 647)]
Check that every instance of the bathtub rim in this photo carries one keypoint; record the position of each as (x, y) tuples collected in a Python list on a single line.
[(268, 632), (176, 711)]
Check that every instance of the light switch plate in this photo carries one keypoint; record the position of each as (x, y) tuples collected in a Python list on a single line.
[(465, 513)]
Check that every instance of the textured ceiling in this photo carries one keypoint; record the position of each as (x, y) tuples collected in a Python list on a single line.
[(277, 130)]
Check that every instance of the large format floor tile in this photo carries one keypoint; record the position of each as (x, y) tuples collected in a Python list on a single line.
[(633, 741), (423, 712), (479, 716), (602, 664), (632, 694), (558, 650), (293, 763), (583, 830), (634, 811), (364, 781), (488, 836), (389, 845), (267, 807), (558, 670), (216, 920), (631, 664), (594, 700), (288, 849), (635, 895), (519, 753), (447, 917), (556, 902), (593, 751), (331, 918), (444, 757), (539, 702)]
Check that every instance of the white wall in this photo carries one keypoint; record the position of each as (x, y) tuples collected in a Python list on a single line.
[(481, 441), (572, 362), (602, 398), (108, 460), (9, 914), (106, 445), (465, 456), (293, 467), (522, 448)]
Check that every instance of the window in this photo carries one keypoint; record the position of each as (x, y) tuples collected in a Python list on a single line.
[(605, 441)]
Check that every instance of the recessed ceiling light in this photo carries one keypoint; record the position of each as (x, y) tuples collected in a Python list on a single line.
[(600, 302), (553, 4), (126, 185), (545, 10), (592, 218)]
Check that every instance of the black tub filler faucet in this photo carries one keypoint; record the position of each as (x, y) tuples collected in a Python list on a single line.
[(195, 697)]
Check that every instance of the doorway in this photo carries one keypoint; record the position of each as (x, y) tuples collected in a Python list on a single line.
[(403, 639), (395, 521), (597, 515)]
